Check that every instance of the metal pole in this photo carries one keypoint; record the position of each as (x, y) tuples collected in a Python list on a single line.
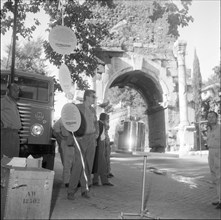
[(200, 138), (143, 212), (82, 162), (14, 42), (143, 186)]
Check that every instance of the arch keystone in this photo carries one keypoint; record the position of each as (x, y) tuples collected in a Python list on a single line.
[(137, 61)]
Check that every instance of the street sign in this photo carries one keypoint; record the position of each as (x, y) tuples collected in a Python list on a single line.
[(71, 117), (62, 40), (65, 78)]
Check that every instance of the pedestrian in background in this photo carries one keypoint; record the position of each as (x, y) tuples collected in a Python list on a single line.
[(118, 133), (108, 147), (87, 143), (67, 149), (56, 134), (100, 165), (10, 122), (214, 157)]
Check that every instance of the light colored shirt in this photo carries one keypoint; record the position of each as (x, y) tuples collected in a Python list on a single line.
[(65, 134), (59, 128), (9, 113), (213, 137), (90, 118)]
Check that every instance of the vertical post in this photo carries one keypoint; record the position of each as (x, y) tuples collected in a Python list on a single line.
[(180, 52), (143, 184), (94, 87), (200, 139), (14, 42), (105, 77)]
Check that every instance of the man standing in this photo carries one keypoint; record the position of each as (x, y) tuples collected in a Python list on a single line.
[(214, 158), (101, 168), (67, 149), (10, 122), (87, 143)]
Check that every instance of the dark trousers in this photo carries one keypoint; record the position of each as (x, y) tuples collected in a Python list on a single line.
[(10, 142), (87, 144), (102, 164)]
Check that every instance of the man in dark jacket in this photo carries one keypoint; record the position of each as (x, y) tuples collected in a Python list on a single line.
[(87, 143), (100, 163)]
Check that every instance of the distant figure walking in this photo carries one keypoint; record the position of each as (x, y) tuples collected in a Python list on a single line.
[(10, 122), (214, 158)]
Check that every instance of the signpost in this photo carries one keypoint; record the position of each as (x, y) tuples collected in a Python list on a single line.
[(62, 40), (14, 42)]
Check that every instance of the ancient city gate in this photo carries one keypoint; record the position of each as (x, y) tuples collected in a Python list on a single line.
[(153, 77)]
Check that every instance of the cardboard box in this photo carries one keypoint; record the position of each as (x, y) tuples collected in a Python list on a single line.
[(34, 162), (26, 192)]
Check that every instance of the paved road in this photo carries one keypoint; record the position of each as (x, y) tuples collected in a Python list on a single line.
[(176, 188)]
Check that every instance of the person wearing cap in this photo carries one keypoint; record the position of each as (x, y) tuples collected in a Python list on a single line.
[(10, 122), (100, 165), (214, 157), (87, 143)]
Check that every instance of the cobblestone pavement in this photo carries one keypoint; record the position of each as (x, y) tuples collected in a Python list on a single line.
[(176, 188)]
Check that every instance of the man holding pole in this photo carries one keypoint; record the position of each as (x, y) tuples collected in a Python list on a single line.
[(87, 143)]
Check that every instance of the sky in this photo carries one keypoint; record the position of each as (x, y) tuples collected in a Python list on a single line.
[(203, 35)]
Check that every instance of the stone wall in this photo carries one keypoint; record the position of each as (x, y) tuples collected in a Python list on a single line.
[(162, 69)]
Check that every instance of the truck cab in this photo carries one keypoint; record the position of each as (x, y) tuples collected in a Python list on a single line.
[(36, 109)]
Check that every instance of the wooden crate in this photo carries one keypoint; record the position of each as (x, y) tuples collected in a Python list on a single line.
[(26, 192)]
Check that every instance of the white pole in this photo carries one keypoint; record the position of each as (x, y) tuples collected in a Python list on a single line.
[(82, 161)]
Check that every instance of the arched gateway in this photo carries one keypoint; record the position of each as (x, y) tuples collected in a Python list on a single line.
[(160, 76), (154, 77)]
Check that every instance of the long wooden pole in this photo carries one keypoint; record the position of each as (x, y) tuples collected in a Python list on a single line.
[(14, 42)]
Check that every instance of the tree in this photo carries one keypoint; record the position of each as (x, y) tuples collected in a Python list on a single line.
[(215, 77), (150, 22), (197, 85), (78, 17), (24, 7), (28, 57), (126, 97), (213, 103)]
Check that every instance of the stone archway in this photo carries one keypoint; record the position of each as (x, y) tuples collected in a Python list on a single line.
[(151, 80)]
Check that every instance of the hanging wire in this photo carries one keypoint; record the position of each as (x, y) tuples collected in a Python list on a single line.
[(61, 7)]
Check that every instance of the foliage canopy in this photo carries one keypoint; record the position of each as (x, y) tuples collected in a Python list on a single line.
[(28, 57), (98, 23)]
